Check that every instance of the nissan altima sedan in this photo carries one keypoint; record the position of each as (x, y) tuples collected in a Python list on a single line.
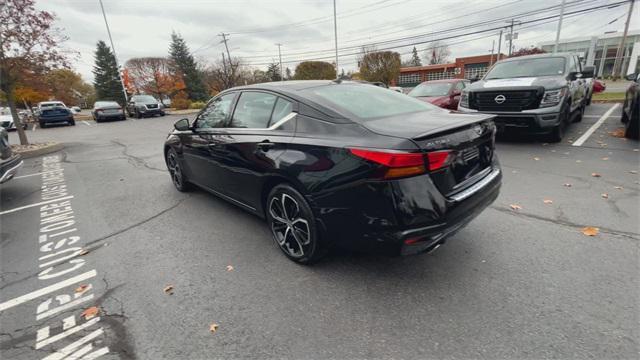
[(339, 163)]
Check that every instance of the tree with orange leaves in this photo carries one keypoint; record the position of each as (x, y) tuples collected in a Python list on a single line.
[(153, 76)]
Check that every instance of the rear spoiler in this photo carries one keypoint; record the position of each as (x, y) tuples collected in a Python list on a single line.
[(466, 119)]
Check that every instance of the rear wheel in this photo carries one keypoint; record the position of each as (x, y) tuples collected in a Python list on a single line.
[(580, 114), (175, 170), (42, 124), (632, 126), (138, 115), (293, 225), (72, 123)]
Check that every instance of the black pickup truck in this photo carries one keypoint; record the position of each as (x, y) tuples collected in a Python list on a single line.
[(536, 94)]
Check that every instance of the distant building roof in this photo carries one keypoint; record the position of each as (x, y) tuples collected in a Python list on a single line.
[(587, 38)]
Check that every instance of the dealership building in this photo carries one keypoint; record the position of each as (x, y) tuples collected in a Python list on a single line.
[(600, 51), (462, 68)]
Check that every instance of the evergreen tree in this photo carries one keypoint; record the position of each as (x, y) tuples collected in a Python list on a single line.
[(273, 72), (288, 75), (415, 59), (106, 75), (185, 66)]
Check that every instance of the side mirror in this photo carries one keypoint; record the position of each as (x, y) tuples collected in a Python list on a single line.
[(475, 78), (182, 125), (456, 92), (631, 77), (588, 71)]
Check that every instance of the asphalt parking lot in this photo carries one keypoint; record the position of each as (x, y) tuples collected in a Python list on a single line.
[(521, 283)]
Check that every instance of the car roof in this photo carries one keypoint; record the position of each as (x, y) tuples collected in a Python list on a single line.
[(50, 102), (538, 56)]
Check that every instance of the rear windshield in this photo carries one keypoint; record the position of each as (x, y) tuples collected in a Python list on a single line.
[(431, 89), (145, 98), (48, 105), (365, 101), (105, 103), (527, 68)]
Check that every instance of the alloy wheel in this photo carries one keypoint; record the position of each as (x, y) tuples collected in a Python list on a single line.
[(175, 171), (289, 226)]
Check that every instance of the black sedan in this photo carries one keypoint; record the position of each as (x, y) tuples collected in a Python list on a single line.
[(339, 163), (107, 110), (631, 108)]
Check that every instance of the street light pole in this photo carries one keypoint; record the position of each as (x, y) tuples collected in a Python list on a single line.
[(499, 46), (493, 45), (555, 46), (335, 34), (617, 67), (280, 56), (124, 90)]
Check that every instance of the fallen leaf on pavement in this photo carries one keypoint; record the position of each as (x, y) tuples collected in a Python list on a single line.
[(83, 252), (605, 158), (595, 175), (633, 171), (90, 312), (548, 201), (578, 161), (536, 158), (82, 288), (636, 150), (168, 290), (619, 133), (618, 187), (213, 328), (590, 231), (229, 268), (515, 207), (605, 195)]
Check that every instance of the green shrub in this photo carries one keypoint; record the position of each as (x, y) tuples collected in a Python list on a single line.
[(197, 105)]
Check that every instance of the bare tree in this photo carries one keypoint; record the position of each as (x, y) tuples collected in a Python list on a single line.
[(437, 53)]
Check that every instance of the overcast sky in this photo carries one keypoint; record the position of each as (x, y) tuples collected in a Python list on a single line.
[(305, 27)]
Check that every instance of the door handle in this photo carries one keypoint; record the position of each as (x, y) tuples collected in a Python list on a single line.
[(265, 145)]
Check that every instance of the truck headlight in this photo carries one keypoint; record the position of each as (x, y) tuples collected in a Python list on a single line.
[(552, 97), (464, 99)]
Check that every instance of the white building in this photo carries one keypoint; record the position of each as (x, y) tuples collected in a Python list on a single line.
[(600, 51)]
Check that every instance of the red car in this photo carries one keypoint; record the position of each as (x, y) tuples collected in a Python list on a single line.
[(598, 86), (442, 93)]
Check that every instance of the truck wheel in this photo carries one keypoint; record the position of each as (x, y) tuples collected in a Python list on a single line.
[(42, 124), (557, 133), (632, 126), (580, 114)]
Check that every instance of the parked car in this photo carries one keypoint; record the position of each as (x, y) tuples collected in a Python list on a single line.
[(631, 108), (396, 89), (75, 109), (6, 121), (599, 86), (535, 94), (50, 112), (339, 162), (144, 105), (442, 93), (9, 163), (107, 110)]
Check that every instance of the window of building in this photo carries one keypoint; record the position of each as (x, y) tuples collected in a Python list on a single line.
[(409, 78)]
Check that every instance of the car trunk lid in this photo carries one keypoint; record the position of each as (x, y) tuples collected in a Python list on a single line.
[(469, 140)]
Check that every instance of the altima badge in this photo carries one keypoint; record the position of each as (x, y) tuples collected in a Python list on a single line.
[(500, 99)]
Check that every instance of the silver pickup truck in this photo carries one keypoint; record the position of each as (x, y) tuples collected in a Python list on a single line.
[(9, 163), (536, 94)]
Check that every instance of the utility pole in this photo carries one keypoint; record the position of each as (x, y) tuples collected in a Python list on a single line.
[(280, 55), (512, 35), (493, 45), (499, 46), (124, 90), (224, 65), (555, 46), (335, 35), (617, 67), (233, 74)]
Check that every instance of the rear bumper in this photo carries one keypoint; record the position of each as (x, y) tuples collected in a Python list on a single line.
[(109, 116), (9, 168), (55, 119), (151, 111), (402, 217)]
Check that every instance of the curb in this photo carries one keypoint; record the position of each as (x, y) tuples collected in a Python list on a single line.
[(606, 101), (183, 112), (42, 151)]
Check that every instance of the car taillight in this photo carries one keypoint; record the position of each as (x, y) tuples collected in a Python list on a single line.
[(438, 159), (404, 164)]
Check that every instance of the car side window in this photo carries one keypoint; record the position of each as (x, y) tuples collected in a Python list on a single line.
[(216, 113), (282, 109), (572, 65), (253, 110), (460, 85)]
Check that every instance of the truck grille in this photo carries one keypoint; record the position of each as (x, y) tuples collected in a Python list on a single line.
[(513, 100), (152, 106)]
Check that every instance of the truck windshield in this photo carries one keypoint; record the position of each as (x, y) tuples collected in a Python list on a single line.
[(431, 89), (551, 66)]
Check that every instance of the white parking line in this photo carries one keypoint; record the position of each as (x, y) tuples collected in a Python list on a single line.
[(34, 205), (46, 290), (86, 123), (26, 176), (595, 126), (34, 128)]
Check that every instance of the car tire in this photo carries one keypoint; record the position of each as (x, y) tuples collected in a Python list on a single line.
[(123, 117), (72, 123), (138, 115), (162, 114), (175, 170), (632, 126), (580, 114), (557, 133), (624, 118), (293, 225), (42, 124), (589, 99)]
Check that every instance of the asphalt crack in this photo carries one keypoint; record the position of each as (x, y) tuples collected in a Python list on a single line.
[(135, 160), (565, 223)]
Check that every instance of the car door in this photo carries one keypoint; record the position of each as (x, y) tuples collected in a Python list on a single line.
[(260, 129), (201, 152)]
